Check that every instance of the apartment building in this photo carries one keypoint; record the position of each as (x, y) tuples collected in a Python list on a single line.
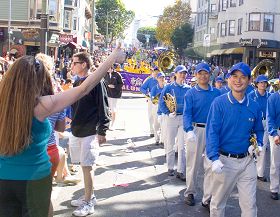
[(68, 19), (243, 30)]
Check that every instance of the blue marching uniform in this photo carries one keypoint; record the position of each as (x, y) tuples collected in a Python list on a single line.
[(197, 106), (225, 89), (273, 125), (174, 126)]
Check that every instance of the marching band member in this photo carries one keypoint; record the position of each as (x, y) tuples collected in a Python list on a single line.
[(260, 95), (197, 105), (226, 88), (174, 122), (231, 120), (273, 125), (146, 88), (155, 94), (219, 83)]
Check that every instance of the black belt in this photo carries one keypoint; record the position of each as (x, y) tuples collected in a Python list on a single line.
[(238, 156), (199, 125)]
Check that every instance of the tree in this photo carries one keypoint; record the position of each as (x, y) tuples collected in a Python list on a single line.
[(118, 18), (151, 31), (182, 37), (173, 17)]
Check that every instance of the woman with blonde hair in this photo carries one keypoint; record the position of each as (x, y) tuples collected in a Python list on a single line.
[(25, 180)]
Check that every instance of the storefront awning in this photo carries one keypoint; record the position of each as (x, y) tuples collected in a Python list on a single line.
[(217, 52), (236, 50), (73, 45)]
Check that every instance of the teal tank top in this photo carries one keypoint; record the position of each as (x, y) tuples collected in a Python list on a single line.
[(33, 162)]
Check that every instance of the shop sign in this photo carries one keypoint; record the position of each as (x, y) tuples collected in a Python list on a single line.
[(64, 38), (267, 54), (253, 42)]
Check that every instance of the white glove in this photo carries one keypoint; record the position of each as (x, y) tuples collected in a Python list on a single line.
[(159, 118), (172, 115), (217, 166), (190, 136), (252, 150)]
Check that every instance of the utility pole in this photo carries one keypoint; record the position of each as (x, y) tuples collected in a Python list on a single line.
[(44, 27), (9, 26), (93, 30), (107, 29)]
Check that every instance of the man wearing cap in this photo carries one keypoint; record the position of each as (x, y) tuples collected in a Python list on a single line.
[(226, 88), (196, 108), (231, 120), (155, 94), (174, 122), (273, 125), (219, 83), (146, 88), (260, 95)]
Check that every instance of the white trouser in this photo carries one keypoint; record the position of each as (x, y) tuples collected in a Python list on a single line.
[(236, 172), (162, 128), (274, 165), (150, 115), (156, 124), (174, 128), (261, 160), (194, 158)]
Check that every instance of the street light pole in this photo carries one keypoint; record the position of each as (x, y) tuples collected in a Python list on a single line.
[(93, 30), (107, 29), (44, 27), (9, 26)]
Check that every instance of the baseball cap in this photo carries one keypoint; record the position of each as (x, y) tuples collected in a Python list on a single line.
[(202, 67), (180, 68), (160, 74), (172, 74), (242, 67), (261, 78), (227, 76), (219, 79)]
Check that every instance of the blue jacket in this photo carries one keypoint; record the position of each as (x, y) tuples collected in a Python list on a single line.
[(249, 89), (148, 85), (224, 89), (261, 100), (230, 124), (197, 105), (176, 90), (273, 113), (156, 90)]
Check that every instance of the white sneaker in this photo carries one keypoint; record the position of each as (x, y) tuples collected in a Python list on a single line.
[(85, 209), (81, 201)]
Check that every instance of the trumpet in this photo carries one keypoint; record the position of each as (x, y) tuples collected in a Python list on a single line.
[(170, 102), (155, 99)]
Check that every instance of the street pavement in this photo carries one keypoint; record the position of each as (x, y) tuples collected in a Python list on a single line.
[(131, 178)]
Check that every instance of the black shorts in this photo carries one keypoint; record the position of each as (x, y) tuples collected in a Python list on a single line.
[(25, 198)]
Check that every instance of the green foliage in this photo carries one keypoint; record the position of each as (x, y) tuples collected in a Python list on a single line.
[(182, 37), (118, 17), (141, 32), (173, 17)]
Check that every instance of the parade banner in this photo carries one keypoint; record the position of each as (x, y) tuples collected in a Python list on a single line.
[(133, 81)]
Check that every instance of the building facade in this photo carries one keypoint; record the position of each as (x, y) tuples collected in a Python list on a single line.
[(241, 30)]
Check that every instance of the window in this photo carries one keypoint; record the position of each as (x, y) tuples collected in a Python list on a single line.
[(75, 23), (76, 3), (254, 22), (231, 28), (213, 8), (241, 2), (218, 29), (67, 19), (53, 10), (268, 23), (239, 28), (232, 3), (224, 4), (223, 29), (212, 30)]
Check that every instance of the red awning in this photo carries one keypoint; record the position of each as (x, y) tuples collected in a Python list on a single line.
[(73, 45)]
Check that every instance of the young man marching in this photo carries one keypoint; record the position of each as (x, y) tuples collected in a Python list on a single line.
[(197, 104), (232, 118)]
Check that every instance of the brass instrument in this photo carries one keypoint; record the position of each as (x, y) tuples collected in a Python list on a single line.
[(254, 143), (170, 102), (264, 67), (275, 84), (166, 60), (155, 99)]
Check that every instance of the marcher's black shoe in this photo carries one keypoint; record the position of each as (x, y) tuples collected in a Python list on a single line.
[(190, 200), (262, 178), (181, 176), (274, 196), (152, 135), (206, 205), (171, 172)]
